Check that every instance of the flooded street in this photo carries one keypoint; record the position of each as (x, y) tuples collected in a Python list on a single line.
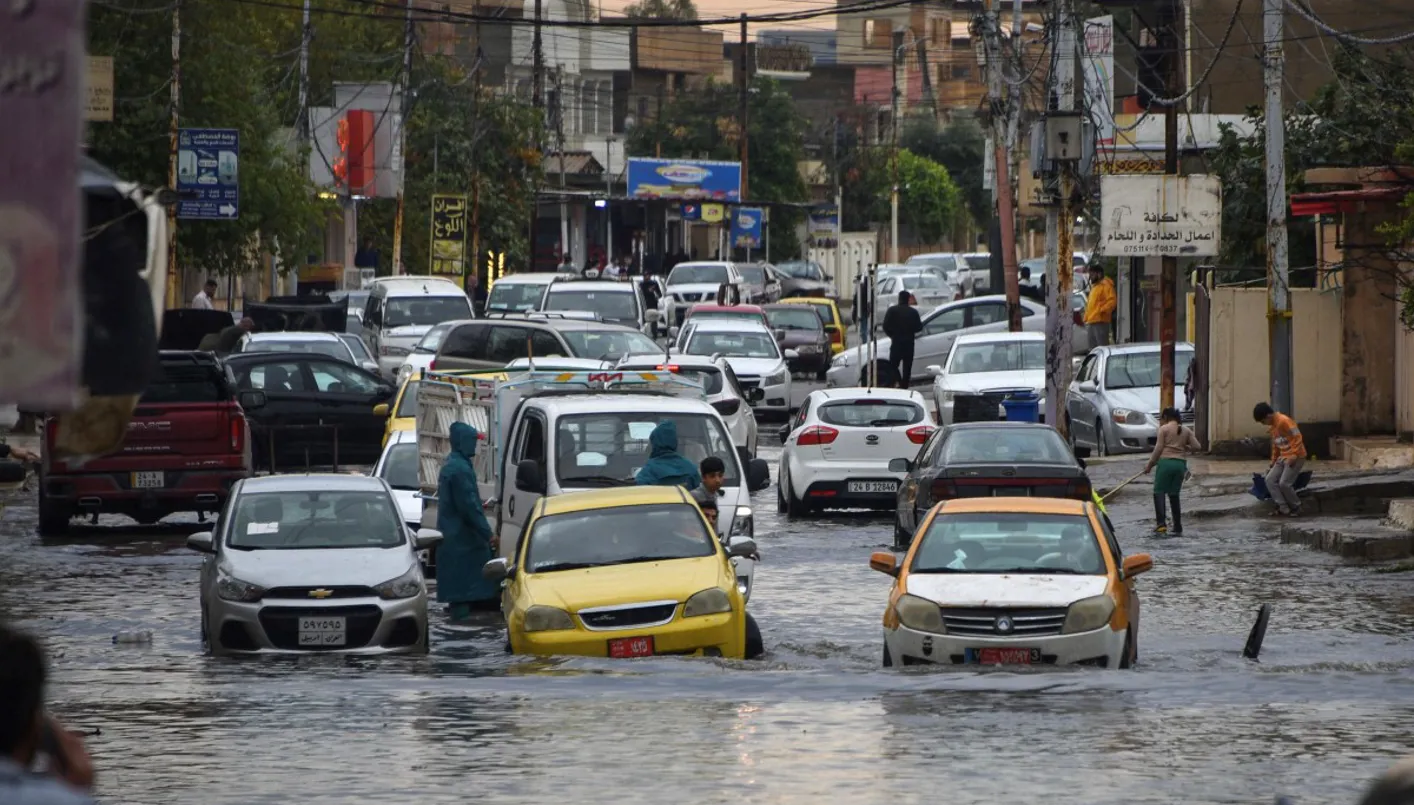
[(1327, 708)]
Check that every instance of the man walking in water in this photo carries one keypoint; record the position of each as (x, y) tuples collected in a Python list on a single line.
[(902, 325)]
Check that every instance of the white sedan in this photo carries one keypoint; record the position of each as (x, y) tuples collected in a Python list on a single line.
[(724, 392), (837, 448), (754, 356), (989, 366), (424, 352)]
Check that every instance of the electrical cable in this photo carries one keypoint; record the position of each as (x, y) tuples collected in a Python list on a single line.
[(1343, 35)]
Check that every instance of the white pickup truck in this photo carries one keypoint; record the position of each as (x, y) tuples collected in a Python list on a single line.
[(548, 432)]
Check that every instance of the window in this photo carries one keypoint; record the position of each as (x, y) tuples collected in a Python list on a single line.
[(186, 383), (868, 413), (794, 318), (998, 356), (930, 451), (617, 535), (432, 340), (532, 440), (994, 542), (515, 297), (606, 110), (337, 378), (504, 344), (357, 347), (946, 322), (373, 313), (1008, 446), (619, 306), (739, 345), (273, 377), (543, 344), (407, 404), (467, 341), (989, 313), (1134, 370), (609, 345), (400, 467), (1087, 369), (961, 72), (427, 310), (614, 446), (315, 520), (878, 33), (693, 273)]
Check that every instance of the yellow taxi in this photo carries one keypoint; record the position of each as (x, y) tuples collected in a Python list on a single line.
[(626, 572), (1013, 581), (403, 409), (829, 314)]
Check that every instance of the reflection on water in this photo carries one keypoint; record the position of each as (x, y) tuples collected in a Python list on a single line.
[(818, 720)]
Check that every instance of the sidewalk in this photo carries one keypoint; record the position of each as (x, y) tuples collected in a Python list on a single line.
[(1213, 477)]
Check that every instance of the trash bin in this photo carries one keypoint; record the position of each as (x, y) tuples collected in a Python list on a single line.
[(1022, 407)]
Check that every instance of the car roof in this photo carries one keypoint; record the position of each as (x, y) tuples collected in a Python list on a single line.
[(801, 300), (295, 335), (593, 285), (855, 393), (1002, 424), (728, 326), (401, 437), (1144, 347), (276, 357), (312, 482), (705, 263), (594, 402), (533, 277), (992, 338), (708, 307), (569, 502), (549, 324), (425, 284), (642, 362), (1006, 505)]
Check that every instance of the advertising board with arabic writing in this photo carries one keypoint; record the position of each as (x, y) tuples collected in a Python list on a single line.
[(449, 222), (1160, 216)]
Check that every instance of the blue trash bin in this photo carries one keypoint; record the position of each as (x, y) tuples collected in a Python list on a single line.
[(1022, 407)]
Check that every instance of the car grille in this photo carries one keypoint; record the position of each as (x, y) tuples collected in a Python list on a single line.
[(1025, 622), (281, 625), (689, 297), (321, 593), (628, 617), (748, 381), (982, 407)]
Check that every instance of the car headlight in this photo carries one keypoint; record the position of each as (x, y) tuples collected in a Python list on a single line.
[(1088, 614), (1124, 416), (708, 602), (777, 378), (405, 586), (391, 351), (919, 614), (808, 349), (842, 359), (230, 588), (744, 523), (547, 619), (949, 396)]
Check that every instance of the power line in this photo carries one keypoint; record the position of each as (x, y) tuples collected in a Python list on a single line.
[(1343, 35)]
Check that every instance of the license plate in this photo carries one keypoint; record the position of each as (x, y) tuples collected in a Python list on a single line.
[(1004, 656), (322, 631), (627, 647), (865, 487), (1012, 492), (147, 480)]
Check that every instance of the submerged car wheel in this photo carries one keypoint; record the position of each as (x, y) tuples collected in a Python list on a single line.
[(780, 497), (755, 646), (888, 658), (1101, 448), (53, 518), (795, 507), (1131, 651)]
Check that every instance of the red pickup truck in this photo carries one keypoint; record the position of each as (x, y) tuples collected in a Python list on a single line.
[(187, 444)]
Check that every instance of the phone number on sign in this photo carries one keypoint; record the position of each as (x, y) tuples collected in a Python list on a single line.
[(1152, 250)]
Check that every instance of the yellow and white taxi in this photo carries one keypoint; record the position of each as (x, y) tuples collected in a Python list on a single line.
[(1013, 581), (626, 572)]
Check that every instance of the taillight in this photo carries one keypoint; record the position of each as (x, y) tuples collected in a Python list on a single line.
[(727, 407), (237, 433), (944, 490), (836, 337), (1081, 489), (817, 434), (919, 434), (432, 367)]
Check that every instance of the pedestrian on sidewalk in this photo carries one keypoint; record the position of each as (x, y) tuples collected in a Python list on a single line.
[(1288, 457), (1173, 443), (1099, 306)]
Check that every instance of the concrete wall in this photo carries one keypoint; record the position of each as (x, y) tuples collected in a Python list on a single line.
[(1239, 372), (856, 254), (1404, 380), (1368, 339)]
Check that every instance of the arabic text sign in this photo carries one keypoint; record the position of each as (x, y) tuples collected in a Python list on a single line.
[(824, 226), (746, 227), (1154, 216), (208, 174), (686, 179), (449, 227)]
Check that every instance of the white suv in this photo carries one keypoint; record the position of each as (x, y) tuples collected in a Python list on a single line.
[(753, 353), (724, 392), (691, 283)]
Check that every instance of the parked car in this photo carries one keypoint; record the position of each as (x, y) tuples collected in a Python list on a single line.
[(805, 278), (986, 368), (760, 285), (974, 274), (930, 289), (317, 412), (398, 468), (693, 282), (829, 312), (946, 263), (188, 441), (312, 563), (1113, 403), (802, 331), (424, 352), (402, 309), (519, 293), (753, 354), (494, 343), (985, 459), (755, 314), (838, 447), (724, 391), (329, 344), (362, 357), (402, 412), (1013, 581), (609, 300)]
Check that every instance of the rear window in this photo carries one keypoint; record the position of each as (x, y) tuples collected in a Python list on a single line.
[(870, 413), (332, 349), (464, 342), (187, 383), (1007, 445), (415, 310), (711, 379), (796, 318), (825, 311)]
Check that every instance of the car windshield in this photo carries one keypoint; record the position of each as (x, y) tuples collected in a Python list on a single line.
[(400, 466), (711, 379), (425, 310), (691, 273), (407, 405), (614, 305), (736, 345), (608, 449), (315, 519), (609, 345), (825, 311), (1006, 445), (432, 340), (867, 413), (979, 262), (754, 275), (802, 270), (356, 346), (698, 315), (515, 296), (997, 542), (794, 319), (618, 535), (997, 356), (1137, 370), (334, 349), (927, 282), (944, 262)]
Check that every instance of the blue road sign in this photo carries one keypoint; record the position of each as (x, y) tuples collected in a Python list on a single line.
[(208, 174)]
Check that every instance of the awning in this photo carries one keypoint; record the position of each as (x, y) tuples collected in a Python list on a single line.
[(1305, 205)]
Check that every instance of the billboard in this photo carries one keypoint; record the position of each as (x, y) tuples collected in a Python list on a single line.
[(375, 135), (449, 222), (824, 227), (1155, 216), (684, 179), (746, 227), (1098, 68)]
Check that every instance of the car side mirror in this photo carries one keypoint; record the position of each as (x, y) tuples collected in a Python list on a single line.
[(934, 369), (530, 477), (758, 474), (251, 399), (829, 278), (1138, 563), (884, 562), (900, 465), (202, 542), (673, 332), (427, 538), (1088, 385), (381, 409), (792, 354), (496, 570)]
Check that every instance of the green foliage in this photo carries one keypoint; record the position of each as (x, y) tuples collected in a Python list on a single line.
[(929, 201), (703, 124), (662, 9), (960, 148)]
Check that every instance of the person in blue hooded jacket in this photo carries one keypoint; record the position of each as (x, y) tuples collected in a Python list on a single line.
[(665, 465), (467, 540)]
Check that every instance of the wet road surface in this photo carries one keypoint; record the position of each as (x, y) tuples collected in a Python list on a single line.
[(1327, 708)]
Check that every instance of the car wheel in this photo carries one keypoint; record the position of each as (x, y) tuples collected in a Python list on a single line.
[(795, 507), (148, 517), (1131, 651), (205, 633), (780, 497), (1101, 448), (755, 646), (888, 658), (53, 517)]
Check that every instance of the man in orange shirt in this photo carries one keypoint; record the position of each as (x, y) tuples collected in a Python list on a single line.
[(1099, 306), (1288, 456)]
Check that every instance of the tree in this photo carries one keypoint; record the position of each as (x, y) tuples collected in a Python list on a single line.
[(662, 10), (960, 148)]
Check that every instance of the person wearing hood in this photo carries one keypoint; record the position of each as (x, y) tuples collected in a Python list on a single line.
[(666, 466), (467, 540)]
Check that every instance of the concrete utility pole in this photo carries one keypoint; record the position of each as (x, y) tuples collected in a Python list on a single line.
[(403, 107), (1278, 289), (559, 113), (1168, 274), (305, 32), (537, 99), (1001, 113), (839, 207), (1060, 276), (744, 83), (898, 46), (174, 291)]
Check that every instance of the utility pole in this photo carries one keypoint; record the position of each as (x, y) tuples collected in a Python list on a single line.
[(1000, 113), (537, 89), (305, 32), (402, 142), (1168, 273), (559, 113), (893, 159), (1016, 107), (839, 205), (1060, 271), (537, 99), (1278, 289), (174, 293), (745, 86)]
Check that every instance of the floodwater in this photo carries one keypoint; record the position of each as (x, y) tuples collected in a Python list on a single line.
[(1328, 707)]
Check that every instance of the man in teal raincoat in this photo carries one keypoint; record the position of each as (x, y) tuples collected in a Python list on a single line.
[(665, 465), (467, 540)]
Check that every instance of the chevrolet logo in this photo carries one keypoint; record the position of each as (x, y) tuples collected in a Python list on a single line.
[(321, 593)]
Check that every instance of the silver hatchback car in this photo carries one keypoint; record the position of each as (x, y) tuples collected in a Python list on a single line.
[(313, 563)]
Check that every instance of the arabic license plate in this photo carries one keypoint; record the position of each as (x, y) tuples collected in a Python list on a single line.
[(322, 631), (1012, 492), (628, 647), (865, 487), (1004, 656), (148, 480)]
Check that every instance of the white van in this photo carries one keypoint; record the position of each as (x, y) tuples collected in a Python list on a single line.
[(400, 311)]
